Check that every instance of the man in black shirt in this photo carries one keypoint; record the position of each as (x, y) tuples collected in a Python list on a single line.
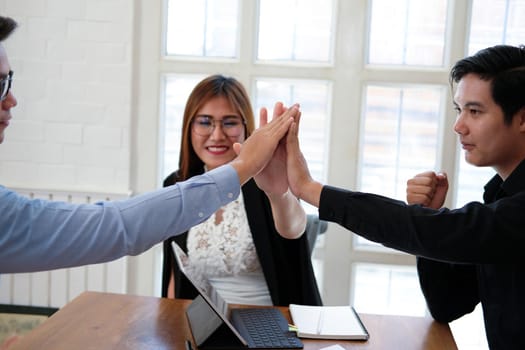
[(467, 255)]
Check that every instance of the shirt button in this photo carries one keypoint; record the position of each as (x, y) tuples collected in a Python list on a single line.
[(201, 214), (230, 195)]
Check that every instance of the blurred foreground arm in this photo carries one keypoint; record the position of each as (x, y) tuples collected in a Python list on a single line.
[(41, 235)]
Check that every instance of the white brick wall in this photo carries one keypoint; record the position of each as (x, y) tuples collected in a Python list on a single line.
[(73, 73)]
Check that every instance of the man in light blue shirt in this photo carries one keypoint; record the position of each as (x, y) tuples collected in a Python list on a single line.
[(40, 235)]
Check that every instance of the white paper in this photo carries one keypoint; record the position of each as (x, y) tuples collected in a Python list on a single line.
[(333, 347)]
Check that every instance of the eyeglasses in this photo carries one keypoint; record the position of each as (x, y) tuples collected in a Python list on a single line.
[(231, 126), (5, 85)]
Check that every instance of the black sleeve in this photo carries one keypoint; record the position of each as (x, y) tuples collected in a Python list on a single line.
[(450, 290), (475, 233)]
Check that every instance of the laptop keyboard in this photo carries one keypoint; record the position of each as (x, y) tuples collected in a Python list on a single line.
[(265, 331)]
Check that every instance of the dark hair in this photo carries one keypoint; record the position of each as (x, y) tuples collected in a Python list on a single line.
[(7, 26), (504, 67), (215, 85)]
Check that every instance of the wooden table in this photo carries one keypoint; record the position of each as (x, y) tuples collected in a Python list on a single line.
[(115, 321)]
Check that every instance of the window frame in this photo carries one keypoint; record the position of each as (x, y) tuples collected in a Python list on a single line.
[(349, 74)]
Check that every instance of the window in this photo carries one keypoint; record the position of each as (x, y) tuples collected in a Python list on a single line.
[(209, 28), (400, 136), (387, 289), (373, 85), (315, 99), (496, 22), (216, 36), (407, 32), (287, 38), (176, 88)]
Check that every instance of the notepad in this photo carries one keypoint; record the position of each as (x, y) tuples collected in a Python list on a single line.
[(328, 322)]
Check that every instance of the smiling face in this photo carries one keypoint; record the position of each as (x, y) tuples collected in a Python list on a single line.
[(483, 134), (216, 149), (10, 101)]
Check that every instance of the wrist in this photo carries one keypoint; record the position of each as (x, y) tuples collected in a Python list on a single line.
[(273, 196), (311, 193), (242, 170)]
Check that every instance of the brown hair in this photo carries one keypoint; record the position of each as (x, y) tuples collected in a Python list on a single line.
[(7, 26), (213, 86)]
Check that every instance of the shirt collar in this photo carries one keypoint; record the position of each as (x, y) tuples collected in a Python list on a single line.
[(497, 188)]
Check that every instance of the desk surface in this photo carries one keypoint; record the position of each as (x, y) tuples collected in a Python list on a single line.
[(114, 321)]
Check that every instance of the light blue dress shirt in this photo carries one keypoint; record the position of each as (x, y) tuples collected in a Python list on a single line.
[(38, 235)]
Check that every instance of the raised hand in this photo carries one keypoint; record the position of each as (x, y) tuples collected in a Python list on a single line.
[(289, 216), (299, 179), (272, 179), (428, 189), (258, 149)]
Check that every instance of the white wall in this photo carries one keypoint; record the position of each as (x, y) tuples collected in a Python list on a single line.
[(73, 72), (75, 63)]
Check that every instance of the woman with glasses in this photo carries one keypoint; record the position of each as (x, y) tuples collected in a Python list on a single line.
[(252, 251)]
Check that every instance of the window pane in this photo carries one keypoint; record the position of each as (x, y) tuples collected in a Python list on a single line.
[(202, 28), (496, 22), (399, 139), (315, 98), (287, 29), (385, 289), (177, 89), (407, 32)]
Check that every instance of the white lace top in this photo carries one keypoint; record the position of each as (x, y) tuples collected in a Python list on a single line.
[(222, 255)]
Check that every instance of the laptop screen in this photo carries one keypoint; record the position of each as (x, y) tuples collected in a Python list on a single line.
[(202, 332)]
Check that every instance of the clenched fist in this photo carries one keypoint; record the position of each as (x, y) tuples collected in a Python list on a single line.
[(428, 189)]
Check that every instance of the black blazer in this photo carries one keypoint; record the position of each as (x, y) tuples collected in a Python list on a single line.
[(286, 263)]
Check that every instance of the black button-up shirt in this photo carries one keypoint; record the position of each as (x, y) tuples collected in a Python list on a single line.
[(465, 256)]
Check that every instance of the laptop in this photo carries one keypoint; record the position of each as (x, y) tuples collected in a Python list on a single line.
[(243, 328)]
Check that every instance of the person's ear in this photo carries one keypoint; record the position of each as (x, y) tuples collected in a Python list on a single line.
[(521, 117)]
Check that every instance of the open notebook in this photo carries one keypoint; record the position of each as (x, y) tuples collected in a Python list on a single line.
[(328, 322), (245, 328)]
